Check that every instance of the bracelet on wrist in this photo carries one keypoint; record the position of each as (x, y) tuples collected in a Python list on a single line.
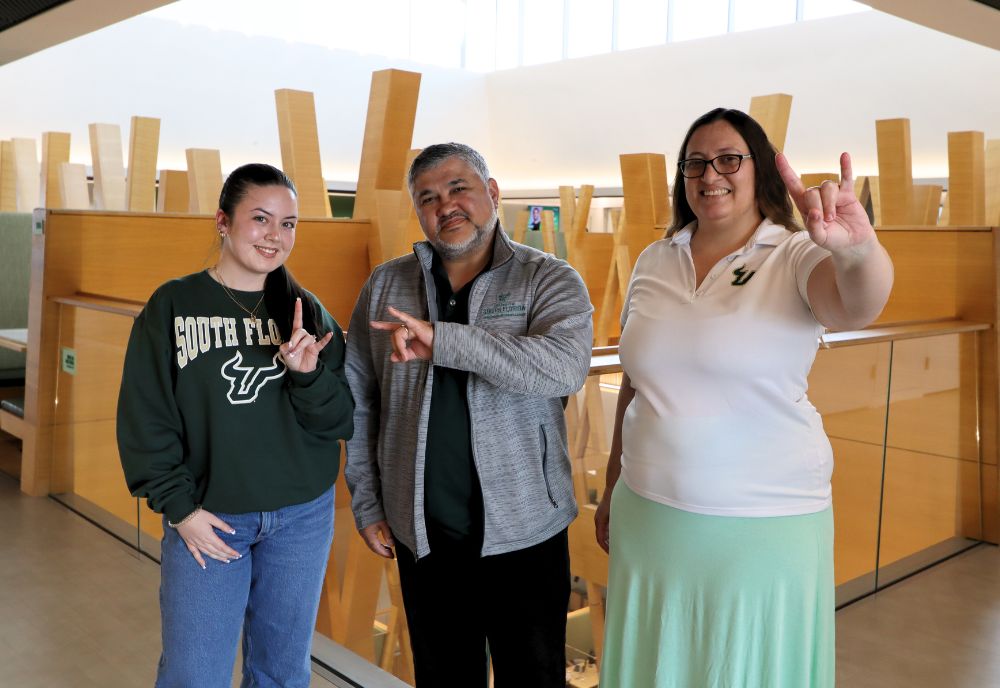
[(185, 519)]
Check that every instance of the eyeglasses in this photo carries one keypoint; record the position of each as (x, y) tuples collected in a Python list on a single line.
[(723, 164)]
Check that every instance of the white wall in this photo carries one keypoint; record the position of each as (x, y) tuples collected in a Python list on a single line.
[(844, 73), (538, 126), (215, 89)]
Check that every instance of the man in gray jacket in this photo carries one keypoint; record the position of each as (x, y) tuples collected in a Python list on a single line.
[(458, 357)]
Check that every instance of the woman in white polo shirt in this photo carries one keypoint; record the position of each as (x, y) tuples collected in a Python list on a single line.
[(720, 528)]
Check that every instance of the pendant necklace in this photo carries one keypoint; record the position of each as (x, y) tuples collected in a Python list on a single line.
[(252, 312)]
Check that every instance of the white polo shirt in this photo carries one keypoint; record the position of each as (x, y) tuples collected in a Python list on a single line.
[(720, 423)]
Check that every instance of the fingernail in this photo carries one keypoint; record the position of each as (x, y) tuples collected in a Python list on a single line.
[(204, 567), (232, 532)]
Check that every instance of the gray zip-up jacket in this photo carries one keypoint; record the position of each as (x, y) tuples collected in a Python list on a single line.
[(527, 344)]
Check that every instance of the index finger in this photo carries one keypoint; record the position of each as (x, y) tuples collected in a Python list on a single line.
[(297, 315), (792, 181), (405, 318), (846, 173)]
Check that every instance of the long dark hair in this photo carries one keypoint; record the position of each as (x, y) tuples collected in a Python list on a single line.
[(769, 188), (280, 288)]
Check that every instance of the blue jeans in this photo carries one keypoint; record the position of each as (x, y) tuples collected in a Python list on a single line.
[(271, 593)]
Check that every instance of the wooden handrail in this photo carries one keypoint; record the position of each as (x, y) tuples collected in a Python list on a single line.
[(130, 309)]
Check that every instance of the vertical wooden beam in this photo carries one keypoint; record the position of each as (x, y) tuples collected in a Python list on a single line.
[(993, 183), (27, 173), (143, 145), (520, 226), (895, 170), (204, 180), (55, 151), (647, 206), (548, 232), (109, 170), (300, 156), (772, 113), (408, 225), (966, 178), (73, 191), (392, 108), (8, 178), (172, 196), (574, 214)]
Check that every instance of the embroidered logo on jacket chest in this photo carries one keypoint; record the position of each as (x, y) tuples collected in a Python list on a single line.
[(503, 307)]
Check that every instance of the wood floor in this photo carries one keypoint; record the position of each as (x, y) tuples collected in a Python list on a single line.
[(78, 608)]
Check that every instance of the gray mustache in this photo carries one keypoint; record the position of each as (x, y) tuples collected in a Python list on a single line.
[(451, 216)]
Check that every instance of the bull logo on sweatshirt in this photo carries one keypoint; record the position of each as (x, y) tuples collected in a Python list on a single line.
[(245, 382)]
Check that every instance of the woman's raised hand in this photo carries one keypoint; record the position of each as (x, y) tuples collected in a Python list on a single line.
[(301, 351), (831, 212)]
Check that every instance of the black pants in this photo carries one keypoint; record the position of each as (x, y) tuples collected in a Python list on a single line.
[(457, 603)]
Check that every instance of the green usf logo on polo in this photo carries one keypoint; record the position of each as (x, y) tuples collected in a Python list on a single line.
[(503, 307), (742, 276)]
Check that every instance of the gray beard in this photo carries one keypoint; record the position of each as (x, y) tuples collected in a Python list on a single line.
[(483, 233)]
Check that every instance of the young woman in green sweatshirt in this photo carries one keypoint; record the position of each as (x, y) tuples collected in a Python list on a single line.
[(232, 406)]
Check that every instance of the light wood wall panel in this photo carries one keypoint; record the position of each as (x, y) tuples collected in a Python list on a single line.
[(300, 158), (55, 152), (966, 178), (895, 170), (108, 166), (392, 109), (993, 183), (73, 191), (8, 178), (173, 192), (772, 112), (204, 175), (27, 172), (140, 184)]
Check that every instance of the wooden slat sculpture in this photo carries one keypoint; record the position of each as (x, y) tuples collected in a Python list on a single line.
[(895, 171), (574, 212), (521, 226), (772, 113), (993, 183), (8, 178), (548, 232), (966, 178), (392, 109), (26, 171), (300, 157), (173, 195), (55, 152), (143, 146), (204, 180), (109, 169), (73, 191)]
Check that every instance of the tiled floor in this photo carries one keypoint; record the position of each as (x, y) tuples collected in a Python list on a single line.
[(78, 608)]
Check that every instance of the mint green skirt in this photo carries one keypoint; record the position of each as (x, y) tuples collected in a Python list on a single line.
[(699, 601)]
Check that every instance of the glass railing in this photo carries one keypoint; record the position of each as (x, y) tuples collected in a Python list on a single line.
[(901, 407)]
